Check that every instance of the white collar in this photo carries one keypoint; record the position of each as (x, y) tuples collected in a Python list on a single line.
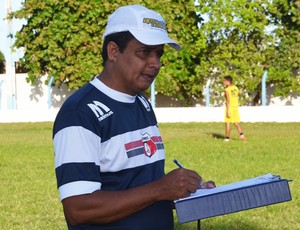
[(113, 94)]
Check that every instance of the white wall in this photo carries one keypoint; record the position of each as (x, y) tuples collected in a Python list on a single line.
[(29, 96), (168, 115), (32, 106), (216, 114)]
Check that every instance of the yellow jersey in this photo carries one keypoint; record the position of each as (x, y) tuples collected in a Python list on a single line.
[(233, 94)]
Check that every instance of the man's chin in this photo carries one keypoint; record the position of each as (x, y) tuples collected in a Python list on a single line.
[(144, 87)]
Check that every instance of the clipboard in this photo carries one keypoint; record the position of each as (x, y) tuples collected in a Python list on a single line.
[(261, 191)]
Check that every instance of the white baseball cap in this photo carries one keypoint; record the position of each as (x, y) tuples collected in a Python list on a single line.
[(146, 25)]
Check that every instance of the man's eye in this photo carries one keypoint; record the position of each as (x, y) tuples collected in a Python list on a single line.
[(144, 51)]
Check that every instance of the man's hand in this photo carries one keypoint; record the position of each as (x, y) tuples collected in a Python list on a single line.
[(109, 206), (179, 183)]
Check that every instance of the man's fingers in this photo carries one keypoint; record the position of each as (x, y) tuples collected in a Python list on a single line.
[(209, 184)]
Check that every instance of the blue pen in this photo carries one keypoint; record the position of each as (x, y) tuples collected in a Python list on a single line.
[(178, 164)]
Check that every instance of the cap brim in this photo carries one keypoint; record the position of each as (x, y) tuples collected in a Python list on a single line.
[(154, 38)]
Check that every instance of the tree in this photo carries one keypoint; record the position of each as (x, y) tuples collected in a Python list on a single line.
[(236, 43), (178, 76), (2, 62), (63, 39), (284, 60)]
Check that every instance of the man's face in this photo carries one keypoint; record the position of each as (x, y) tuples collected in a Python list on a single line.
[(226, 83), (137, 66)]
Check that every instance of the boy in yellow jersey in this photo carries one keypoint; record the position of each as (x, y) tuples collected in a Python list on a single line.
[(232, 108)]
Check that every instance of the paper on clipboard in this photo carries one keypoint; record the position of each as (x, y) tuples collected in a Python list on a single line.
[(245, 183)]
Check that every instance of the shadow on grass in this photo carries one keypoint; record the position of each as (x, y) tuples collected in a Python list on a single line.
[(216, 135)]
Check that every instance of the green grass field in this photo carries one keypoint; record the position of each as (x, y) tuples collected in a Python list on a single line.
[(29, 198)]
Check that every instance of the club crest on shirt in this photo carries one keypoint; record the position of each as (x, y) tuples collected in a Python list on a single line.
[(146, 145), (149, 145)]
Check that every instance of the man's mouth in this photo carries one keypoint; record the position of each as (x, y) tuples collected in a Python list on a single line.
[(149, 75)]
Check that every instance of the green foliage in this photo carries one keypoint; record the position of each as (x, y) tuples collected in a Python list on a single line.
[(178, 76), (239, 43), (64, 39), (2, 61), (29, 198), (285, 58), (2, 58), (235, 45)]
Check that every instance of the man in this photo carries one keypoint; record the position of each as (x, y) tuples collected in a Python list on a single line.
[(109, 154), (232, 105)]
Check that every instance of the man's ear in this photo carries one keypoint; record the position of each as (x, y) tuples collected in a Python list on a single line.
[(112, 51)]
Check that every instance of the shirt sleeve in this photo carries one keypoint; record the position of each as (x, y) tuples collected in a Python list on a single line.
[(76, 149)]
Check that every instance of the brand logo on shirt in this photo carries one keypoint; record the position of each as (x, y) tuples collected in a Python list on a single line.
[(100, 110)]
